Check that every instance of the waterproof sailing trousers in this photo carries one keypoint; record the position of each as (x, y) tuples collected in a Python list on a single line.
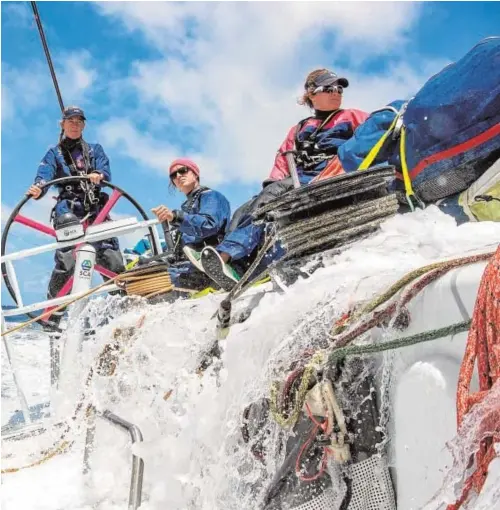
[(244, 237)]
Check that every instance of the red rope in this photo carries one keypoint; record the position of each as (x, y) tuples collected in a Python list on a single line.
[(310, 439), (379, 315), (483, 344)]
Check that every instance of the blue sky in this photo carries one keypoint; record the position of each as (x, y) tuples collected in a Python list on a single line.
[(215, 81)]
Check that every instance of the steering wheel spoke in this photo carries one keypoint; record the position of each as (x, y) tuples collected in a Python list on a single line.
[(40, 227), (104, 272), (103, 214)]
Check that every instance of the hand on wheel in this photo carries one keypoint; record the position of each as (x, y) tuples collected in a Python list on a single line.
[(34, 191), (163, 213), (96, 177)]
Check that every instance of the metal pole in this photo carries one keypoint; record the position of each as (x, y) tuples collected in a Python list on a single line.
[(292, 168), (15, 285), (168, 237), (135, 495), (47, 54), (89, 238)]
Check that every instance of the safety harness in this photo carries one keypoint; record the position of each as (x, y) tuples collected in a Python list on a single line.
[(306, 152), (84, 191)]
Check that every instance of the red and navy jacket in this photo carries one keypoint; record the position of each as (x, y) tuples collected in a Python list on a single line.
[(326, 141)]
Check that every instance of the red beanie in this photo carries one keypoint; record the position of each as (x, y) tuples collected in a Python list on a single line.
[(184, 162)]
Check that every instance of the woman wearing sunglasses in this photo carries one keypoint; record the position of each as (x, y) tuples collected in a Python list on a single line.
[(314, 142), (316, 139), (201, 221)]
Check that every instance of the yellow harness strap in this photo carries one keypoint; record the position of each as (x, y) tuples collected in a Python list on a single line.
[(204, 292), (410, 194), (370, 158)]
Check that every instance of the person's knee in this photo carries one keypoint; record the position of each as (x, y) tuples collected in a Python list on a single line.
[(272, 191), (111, 259), (242, 215), (64, 260)]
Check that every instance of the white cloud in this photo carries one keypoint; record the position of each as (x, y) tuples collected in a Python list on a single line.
[(77, 76), (120, 135), (26, 87), (40, 210), (17, 14), (29, 89), (178, 26), (232, 71), (400, 81)]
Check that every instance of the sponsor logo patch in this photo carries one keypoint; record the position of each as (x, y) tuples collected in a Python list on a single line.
[(86, 265)]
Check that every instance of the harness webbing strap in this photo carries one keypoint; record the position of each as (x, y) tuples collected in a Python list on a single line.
[(396, 129), (410, 194), (312, 137), (374, 152), (194, 196)]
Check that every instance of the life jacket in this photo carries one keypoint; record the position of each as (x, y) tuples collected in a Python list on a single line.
[(313, 143)]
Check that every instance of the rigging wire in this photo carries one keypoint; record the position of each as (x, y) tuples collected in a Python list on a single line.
[(47, 54)]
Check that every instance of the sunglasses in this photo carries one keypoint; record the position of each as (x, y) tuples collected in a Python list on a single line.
[(329, 89), (180, 171)]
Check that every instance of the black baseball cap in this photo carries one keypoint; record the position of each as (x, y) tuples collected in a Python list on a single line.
[(326, 79), (73, 111)]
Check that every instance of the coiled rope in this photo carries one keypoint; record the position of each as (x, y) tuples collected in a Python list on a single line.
[(365, 322), (288, 418)]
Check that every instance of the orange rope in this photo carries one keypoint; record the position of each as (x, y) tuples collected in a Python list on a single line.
[(483, 344)]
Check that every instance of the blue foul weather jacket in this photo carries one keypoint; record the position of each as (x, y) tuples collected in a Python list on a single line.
[(202, 218), (201, 221), (71, 159)]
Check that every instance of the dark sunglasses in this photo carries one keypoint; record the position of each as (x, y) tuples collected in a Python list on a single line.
[(180, 171), (328, 89)]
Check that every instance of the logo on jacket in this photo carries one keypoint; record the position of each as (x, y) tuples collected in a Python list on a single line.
[(80, 163)]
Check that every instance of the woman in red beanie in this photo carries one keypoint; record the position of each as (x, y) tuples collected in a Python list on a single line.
[(201, 221)]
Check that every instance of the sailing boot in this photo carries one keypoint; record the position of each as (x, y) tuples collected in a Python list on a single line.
[(218, 270)]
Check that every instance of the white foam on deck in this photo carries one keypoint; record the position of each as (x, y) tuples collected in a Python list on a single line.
[(193, 450)]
